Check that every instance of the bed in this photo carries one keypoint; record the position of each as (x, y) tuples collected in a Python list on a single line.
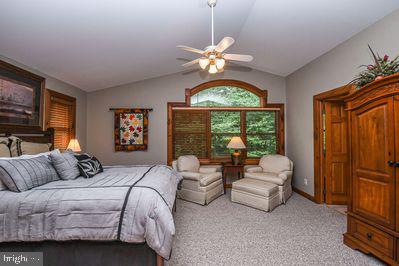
[(122, 216)]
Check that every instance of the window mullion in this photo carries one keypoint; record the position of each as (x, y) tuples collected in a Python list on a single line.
[(244, 132)]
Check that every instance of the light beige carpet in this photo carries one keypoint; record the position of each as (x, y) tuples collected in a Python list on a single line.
[(226, 233)]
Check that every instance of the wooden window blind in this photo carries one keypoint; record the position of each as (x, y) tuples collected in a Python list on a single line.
[(190, 133), (61, 110)]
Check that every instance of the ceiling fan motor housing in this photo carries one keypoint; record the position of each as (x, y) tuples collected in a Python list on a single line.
[(212, 3)]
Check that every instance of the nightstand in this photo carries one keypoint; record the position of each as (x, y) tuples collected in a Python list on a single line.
[(234, 169)]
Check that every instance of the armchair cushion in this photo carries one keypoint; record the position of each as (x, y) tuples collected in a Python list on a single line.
[(285, 175), (207, 179), (266, 176), (275, 163), (191, 175), (188, 163), (254, 169), (207, 170)]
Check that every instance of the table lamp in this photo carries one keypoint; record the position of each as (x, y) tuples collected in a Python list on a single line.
[(236, 144), (74, 145)]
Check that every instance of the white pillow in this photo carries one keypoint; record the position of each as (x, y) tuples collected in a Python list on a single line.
[(28, 156), (4, 150), (20, 147), (189, 163)]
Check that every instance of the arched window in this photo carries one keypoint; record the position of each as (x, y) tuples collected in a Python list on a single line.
[(223, 96), (218, 110)]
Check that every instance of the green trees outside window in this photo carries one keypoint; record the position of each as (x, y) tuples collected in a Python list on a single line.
[(225, 96)]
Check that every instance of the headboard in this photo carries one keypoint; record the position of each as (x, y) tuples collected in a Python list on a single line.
[(26, 133)]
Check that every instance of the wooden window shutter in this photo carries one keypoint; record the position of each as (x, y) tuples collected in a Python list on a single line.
[(190, 133), (61, 116)]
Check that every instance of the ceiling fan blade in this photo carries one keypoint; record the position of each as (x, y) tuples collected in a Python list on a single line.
[(238, 57), (190, 49), (191, 63), (225, 43)]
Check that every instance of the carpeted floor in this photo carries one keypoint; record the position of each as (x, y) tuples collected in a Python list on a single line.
[(226, 233)]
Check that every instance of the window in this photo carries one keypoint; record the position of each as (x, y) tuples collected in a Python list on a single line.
[(261, 133), (224, 126), (216, 111), (60, 115), (225, 96)]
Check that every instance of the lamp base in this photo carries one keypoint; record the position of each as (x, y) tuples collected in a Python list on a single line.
[(236, 158)]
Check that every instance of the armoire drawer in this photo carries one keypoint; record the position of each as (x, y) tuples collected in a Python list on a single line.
[(373, 237)]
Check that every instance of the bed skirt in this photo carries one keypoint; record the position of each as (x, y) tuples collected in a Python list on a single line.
[(88, 253)]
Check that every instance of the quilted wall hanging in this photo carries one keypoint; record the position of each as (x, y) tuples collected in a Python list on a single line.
[(131, 129)]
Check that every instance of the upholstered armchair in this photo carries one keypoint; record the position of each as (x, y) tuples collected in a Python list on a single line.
[(276, 169), (201, 184)]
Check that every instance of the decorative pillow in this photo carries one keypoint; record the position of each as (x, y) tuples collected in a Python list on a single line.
[(27, 156), (89, 168), (189, 163), (23, 174), (66, 165), (82, 156), (19, 147), (4, 149)]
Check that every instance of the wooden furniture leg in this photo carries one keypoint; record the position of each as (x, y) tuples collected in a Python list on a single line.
[(224, 181), (159, 261)]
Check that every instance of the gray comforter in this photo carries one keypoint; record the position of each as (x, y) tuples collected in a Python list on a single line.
[(131, 204)]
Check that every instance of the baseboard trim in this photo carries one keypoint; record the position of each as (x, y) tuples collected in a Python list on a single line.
[(303, 194)]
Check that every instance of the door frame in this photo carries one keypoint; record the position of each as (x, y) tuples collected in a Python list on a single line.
[(336, 94)]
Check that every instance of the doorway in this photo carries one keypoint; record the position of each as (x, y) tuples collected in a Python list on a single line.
[(331, 154)]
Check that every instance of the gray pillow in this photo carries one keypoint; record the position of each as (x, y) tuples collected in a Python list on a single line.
[(66, 165), (23, 174)]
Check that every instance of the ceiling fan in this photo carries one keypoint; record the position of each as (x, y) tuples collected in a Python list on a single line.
[(213, 55)]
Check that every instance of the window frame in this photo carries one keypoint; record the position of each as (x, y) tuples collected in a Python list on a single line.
[(264, 106), (49, 95)]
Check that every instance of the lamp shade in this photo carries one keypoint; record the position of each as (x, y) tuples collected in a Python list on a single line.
[(74, 145), (236, 143)]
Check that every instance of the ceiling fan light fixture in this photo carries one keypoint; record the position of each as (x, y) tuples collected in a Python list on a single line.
[(203, 62), (213, 69), (220, 62)]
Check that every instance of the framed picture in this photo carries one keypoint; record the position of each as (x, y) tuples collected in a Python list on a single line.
[(131, 129), (20, 96)]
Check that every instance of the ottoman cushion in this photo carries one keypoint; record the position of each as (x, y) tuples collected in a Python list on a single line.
[(255, 186)]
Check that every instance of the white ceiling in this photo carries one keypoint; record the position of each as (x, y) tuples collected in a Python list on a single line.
[(95, 44)]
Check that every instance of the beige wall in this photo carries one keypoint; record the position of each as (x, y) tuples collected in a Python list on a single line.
[(334, 69), (65, 88), (155, 93)]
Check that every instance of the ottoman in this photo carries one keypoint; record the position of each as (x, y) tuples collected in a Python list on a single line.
[(255, 193)]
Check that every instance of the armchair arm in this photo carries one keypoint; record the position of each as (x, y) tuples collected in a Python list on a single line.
[(207, 170), (191, 175), (218, 167), (285, 175), (253, 169)]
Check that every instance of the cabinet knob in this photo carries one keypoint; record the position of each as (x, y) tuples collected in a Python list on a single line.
[(391, 164), (369, 236)]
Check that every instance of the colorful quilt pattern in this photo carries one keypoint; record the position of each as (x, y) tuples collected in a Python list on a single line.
[(131, 128)]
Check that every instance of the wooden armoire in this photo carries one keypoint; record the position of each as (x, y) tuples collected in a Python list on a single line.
[(373, 203)]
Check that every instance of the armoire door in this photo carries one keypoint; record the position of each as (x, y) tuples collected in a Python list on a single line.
[(373, 146), (336, 153)]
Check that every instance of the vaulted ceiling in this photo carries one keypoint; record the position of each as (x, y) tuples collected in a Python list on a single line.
[(95, 44)]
